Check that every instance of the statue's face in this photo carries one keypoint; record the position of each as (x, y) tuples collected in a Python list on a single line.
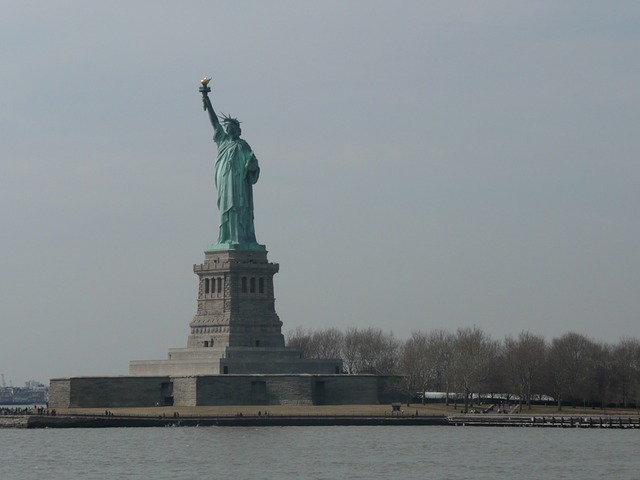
[(232, 130)]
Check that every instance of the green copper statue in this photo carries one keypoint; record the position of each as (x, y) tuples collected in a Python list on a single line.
[(236, 171)]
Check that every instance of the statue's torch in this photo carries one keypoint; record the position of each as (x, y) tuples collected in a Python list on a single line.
[(204, 89)]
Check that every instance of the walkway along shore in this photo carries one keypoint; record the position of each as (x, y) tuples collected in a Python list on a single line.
[(473, 420)]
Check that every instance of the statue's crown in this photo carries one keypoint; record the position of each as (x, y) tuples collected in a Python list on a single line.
[(230, 119)]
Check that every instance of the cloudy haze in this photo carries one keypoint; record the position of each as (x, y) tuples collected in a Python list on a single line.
[(427, 164)]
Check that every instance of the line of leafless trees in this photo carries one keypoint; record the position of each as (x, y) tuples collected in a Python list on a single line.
[(571, 370)]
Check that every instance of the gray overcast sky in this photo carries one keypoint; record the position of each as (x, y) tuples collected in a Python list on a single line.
[(427, 164)]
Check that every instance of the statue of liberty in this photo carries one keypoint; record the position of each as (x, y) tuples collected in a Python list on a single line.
[(236, 171)]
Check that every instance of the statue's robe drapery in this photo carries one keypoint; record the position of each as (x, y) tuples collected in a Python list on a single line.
[(236, 171)]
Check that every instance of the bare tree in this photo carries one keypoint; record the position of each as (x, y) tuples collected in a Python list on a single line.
[(378, 352), (440, 346), (416, 367), (299, 338), (370, 351), (626, 358), (350, 350), (602, 377), (524, 359), (474, 353), (568, 367), (327, 343)]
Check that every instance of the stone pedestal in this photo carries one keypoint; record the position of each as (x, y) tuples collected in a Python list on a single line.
[(236, 329), (236, 304)]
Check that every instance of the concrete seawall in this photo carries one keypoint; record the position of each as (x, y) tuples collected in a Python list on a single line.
[(76, 421), (14, 421), (88, 421)]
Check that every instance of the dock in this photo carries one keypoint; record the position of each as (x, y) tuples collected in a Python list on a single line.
[(553, 421)]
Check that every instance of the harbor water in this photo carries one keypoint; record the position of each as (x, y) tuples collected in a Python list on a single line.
[(319, 453)]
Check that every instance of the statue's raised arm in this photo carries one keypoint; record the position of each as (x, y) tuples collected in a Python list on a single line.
[(206, 103)]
